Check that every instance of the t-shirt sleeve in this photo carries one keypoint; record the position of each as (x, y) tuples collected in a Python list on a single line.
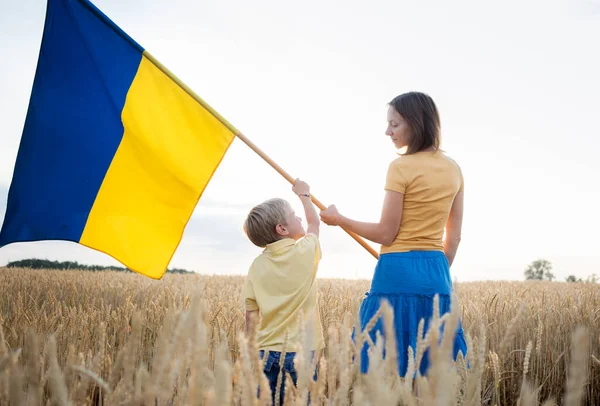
[(396, 179), (248, 296), (462, 180), (308, 251)]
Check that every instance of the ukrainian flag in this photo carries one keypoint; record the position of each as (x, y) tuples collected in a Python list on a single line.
[(115, 151)]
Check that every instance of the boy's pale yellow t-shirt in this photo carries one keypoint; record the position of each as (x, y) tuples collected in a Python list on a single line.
[(429, 182), (281, 283)]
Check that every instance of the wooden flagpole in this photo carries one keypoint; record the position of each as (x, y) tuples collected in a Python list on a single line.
[(291, 180), (249, 143)]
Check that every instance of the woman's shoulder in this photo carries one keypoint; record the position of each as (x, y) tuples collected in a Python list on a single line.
[(449, 159), (404, 161), (422, 159), (402, 165), (456, 169), (426, 162)]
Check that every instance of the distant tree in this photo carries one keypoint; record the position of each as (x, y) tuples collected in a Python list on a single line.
[(178, 270), (35, 263), (540, 269), (593, 278)]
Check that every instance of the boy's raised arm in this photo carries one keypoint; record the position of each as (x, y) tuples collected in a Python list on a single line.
[(302, 189)]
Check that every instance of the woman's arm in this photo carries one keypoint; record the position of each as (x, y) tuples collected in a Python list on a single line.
[(454, 227), (384, 232)]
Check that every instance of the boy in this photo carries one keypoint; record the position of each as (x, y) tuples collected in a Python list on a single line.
[(281, 282)]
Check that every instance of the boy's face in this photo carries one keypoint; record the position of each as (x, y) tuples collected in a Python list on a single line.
[(293, 227)]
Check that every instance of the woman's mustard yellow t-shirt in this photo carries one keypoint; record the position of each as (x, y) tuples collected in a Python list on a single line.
[(429, 182)]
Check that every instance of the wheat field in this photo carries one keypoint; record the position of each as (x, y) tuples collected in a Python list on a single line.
[(82, 338)]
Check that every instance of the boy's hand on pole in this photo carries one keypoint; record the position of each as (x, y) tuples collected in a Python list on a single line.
[(300, 187)]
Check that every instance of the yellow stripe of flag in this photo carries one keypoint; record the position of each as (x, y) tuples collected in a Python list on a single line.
[(170, 149)]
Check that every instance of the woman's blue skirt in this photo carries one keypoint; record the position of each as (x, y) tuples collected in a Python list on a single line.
[(409, 281)]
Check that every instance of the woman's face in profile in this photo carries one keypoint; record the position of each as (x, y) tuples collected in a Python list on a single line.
[(398, 129)]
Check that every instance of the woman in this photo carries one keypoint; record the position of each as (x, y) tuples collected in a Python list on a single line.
[(424, 196)]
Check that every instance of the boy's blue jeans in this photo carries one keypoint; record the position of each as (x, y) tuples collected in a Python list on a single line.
[(272, 370)]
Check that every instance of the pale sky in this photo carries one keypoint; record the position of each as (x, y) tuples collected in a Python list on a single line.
[(517, 84)]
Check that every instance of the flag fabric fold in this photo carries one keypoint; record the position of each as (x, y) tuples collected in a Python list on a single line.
[(114, 154)]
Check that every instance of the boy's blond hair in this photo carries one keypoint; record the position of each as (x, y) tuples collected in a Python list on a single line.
[(260, 224)]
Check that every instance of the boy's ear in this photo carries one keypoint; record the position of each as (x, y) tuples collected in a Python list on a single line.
[(281, 230)]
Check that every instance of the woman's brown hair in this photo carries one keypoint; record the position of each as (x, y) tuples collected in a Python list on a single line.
[(421, 113)]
